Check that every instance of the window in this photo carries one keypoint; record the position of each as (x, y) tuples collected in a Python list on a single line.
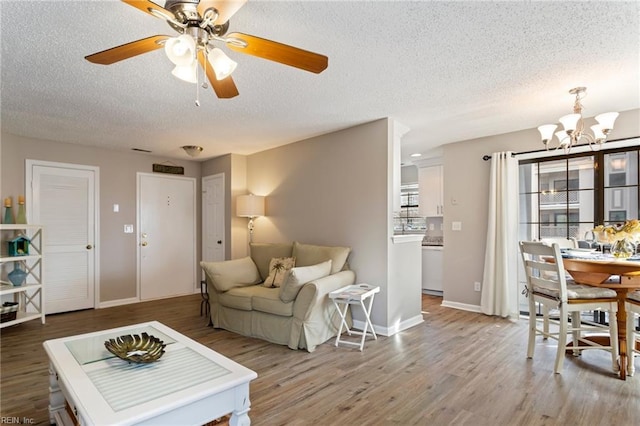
[(408, 220), (569, 196)]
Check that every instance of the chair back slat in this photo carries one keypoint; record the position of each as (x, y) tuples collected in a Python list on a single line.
[(544, 268)]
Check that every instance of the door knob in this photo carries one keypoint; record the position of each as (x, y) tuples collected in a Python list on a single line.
[(144, 244), (89, 246), (219, 241)]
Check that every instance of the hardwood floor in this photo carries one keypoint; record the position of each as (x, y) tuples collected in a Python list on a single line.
[(456, 368)]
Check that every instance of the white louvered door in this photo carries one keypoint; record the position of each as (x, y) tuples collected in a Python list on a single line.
[(64, 202)]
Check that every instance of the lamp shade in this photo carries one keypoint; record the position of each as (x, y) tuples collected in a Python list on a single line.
[(186, 73), (192, 150), (570, 122), (250, 205), (598, 134), (181, 50), (546, 131), (606, 120), (222, 65)]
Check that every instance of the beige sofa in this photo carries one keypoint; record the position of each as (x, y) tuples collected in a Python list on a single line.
[(297, 313)]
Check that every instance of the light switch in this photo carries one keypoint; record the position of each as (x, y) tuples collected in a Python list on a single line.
[(431, 227), (456, 226), (128, 229), (116, 208)]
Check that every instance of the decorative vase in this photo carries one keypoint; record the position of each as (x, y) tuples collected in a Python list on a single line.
[(8, 211), (17, 276), (22, 214), (623, 249)]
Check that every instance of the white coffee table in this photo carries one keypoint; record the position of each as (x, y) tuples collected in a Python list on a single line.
[(190, 385)]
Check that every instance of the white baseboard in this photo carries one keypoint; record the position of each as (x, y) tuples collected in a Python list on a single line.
[(390, 331), (118, 302), (462, 306)]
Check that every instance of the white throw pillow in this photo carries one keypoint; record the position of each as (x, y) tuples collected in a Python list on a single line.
[(278, 268), (299, 276)]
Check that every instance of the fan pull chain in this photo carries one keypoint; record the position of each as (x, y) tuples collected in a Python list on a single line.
[(204, 76), (197, 86)]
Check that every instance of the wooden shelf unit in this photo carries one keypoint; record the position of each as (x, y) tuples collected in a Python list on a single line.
[(30, 295)]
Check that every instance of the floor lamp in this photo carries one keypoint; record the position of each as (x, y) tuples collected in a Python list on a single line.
[(250, 206)]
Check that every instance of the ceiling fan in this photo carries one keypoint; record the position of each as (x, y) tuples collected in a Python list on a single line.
[(201, 25)]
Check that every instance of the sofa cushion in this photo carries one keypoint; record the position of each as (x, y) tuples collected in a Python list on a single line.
[(267, 300), (262, 253), (231, 273), (238, 298), (278, 268), (299, 276), (308, 254)]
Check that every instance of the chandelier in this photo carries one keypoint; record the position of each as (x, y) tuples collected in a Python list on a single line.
[(573, 132)]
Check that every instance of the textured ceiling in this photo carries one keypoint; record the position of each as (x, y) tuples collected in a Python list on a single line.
[(448, 70)]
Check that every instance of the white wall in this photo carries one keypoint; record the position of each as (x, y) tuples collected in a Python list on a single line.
[(329, 190)]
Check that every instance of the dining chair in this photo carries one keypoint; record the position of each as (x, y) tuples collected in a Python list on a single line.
[(632, 305), (562, 242), (548, 286)]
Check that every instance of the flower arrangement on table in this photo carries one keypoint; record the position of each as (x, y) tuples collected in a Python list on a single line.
[(623, 237)]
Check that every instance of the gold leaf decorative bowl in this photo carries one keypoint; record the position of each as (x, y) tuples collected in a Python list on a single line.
[(140, 348)]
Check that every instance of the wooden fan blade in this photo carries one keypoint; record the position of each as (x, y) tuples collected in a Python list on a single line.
[(145, 6), (224, 89), (226, 8), (126, 51), (279, 52)]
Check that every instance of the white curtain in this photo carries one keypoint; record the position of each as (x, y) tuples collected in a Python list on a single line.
[(500, 280)]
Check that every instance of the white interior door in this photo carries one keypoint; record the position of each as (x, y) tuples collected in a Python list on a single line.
[(64, 201), (167, 238), (213, 218)]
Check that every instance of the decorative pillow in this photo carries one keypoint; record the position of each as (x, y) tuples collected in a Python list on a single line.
[(308, 254), (278, 268), (299, 276), (262, 253), (228, 274)]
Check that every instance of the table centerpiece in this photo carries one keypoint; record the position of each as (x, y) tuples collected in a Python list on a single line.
[(623, 237)]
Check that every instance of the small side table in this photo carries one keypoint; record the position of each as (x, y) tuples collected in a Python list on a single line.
[(355, 294)]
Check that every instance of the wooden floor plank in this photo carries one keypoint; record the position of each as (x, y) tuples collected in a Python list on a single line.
[(457, 367)]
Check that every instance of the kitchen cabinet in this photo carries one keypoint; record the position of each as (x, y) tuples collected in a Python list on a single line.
[(431, 191), (432, 269), (29, 295)]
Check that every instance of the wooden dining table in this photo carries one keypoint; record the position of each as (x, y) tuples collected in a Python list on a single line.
[(620, 275)]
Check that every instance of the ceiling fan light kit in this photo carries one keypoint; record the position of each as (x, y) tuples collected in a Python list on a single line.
[(188, 73), (203, 24), (573, 131), (223, 66)]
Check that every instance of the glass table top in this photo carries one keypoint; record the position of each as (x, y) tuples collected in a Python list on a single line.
[(91, 349)]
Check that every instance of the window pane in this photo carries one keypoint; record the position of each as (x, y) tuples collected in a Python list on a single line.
[(618, 200), (583, 206), (528, 181), (554, 230), (621, 169), (581, 173), (528, 208)]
